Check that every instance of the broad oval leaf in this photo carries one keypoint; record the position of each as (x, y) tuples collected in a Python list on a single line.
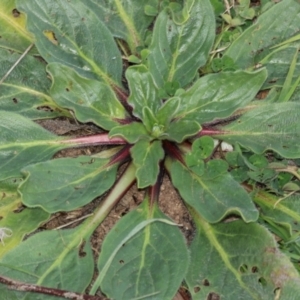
[(267, 127), (219, 95), (273, 49), (146, 157), (67, 183), (214, 194), (245, 256), (14, 35), (24, 142), (26, 89), (18, 223), (143, 255), (58, 259), (70, 33), (91, 100), (178, 51), (125, 19)]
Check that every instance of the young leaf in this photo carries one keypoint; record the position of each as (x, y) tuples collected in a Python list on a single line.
[(238, 255), (146, 158), (67, 183), (125, 19), (57, 259), (266, 127), (178, 51), (91, 100), (151, 263), (72, 34), (143, 91), (25, 90), (10, 202), (22, 143), (14, 35), (214, 194), (130, 132), (219, 95)]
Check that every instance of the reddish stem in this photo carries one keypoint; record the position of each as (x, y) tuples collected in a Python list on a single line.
[(209, 131), (154, 190), (26, 287), (121, 157), (172, 150), (97, 139)]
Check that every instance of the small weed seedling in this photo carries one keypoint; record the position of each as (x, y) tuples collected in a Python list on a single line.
[(166, 91)]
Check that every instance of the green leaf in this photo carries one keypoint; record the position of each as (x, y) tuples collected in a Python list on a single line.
[(243, 263), (22, 143), (146, 158), (259, 45), (149, 262), (18, 223), (130, 132), (214, 194), (219, 95), (25, 90), (143, 91), (58, 259), (125, 19), (267, 127), (180, 130), (168, 110), (178, 51), (91, 100), (14, 35), (67, 183), (73, 34)]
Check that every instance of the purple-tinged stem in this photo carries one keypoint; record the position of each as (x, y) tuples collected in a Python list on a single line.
[(97, 139), (153, 191), (121, 157), (210, 132), (174, 152)]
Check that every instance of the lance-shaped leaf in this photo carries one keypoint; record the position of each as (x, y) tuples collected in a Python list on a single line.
[(143, 256), (25, 90), (22, 143), (178, 51), (267, 127), (143, 91), (130, 132), (146, 158), (57, 259), (67, 183), (14, 35), (219, 95), (73, 34), (243, 263), (211, 191), (91, 100), (258, 45), (18, 224), (125, 19)]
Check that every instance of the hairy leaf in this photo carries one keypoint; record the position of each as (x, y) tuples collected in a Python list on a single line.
[(14, 35), (219, 95), (178, 51), (243, 263), (58, 259), (91, 100), (125, 19), (267, 127), (150, 263), (67, 183), (22, 143), (146, 157), (143, 91), (10, 218), (213, 194), (25, 90), (71, 33)]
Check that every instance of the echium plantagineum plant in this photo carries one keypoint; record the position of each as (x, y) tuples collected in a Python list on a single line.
[(132, 69)]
